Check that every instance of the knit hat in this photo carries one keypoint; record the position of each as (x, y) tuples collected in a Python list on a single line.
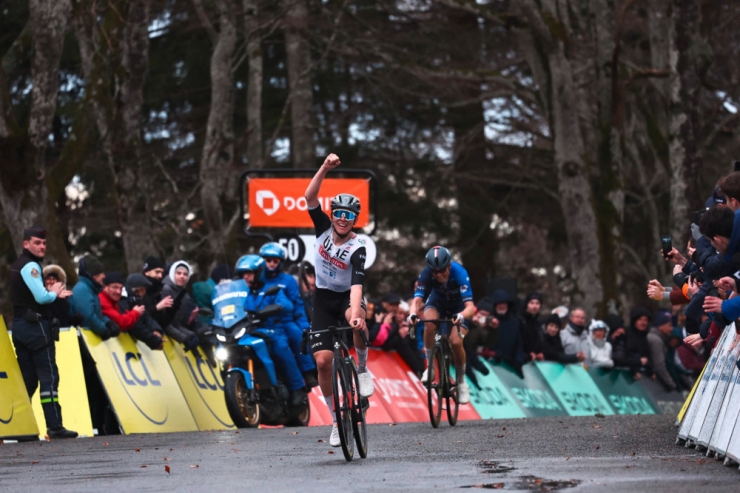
[(221, 272), (614, 322), (391, 298), (551, 319), (152, 263), (662, 318), (113, 277), (534, 295), (484, 304), (137, 281), (92, 265)]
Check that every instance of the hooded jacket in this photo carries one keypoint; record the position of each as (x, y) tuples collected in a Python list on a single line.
[(85, 302), (509, 346), (60, 308), (573, 337), (598, 351), (179, 326), (636, 345)]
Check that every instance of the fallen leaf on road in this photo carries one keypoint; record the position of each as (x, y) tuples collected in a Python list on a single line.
[(633, 454), (196, 465), (567, 458), (294, 432), (137, 450), (597, 426), (392, 424), (35, 462), (598, 447), (166, 458), (599, 415), (321, 441), (46, 437), (236, 450), (233, 443), (331, 452), (105, 444), (499, 436), (167, 469), (143, 467)]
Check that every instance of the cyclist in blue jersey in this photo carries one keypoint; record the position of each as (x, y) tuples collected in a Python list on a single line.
[(273, 275), (443, 291)]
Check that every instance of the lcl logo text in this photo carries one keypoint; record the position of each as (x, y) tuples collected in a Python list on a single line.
[(135, 379)]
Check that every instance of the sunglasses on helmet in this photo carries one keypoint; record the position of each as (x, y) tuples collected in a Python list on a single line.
[(343, 214)]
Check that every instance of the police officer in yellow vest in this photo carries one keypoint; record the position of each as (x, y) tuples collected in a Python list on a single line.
[(32, 335)]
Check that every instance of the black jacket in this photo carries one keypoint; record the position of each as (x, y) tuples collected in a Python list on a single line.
[(552, 348), (635, 346), (531, 334), (509, 346)]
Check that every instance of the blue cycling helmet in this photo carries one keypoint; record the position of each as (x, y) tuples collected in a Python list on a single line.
[(438, 258), (250, 263), (273, 250)]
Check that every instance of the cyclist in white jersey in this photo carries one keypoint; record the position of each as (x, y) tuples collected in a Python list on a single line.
[(340, 274)]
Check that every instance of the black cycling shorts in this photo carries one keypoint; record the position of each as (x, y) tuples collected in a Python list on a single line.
[(328, 308)]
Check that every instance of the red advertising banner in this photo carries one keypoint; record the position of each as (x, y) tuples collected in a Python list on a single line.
[(279, 202)]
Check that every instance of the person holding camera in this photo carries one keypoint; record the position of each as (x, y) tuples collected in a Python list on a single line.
[(32, 333)]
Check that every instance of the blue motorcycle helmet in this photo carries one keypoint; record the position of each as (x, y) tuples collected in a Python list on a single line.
[(273, 250), (250, 263)]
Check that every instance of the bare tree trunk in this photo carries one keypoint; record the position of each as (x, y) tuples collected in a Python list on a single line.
[(254, 86), (218, 148), (686, 52), (547, 49), (302, 146), (23, 190), (118, 110)]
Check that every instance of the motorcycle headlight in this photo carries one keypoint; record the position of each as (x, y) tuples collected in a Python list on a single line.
[(221, 337), (240, 333), (222, 354)]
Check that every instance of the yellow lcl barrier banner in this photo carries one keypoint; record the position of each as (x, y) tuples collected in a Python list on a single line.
[(72, 390), (202, 387), (140, 384), (16, 416)]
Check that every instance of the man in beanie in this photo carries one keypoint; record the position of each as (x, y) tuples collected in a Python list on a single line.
[(155, 303), (659, 342), (86, 302), (110, 297), (32, 334), (532, 327)]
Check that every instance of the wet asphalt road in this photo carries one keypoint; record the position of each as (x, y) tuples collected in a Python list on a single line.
[(615, 454)]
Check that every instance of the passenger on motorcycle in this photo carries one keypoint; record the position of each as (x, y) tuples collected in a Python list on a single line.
[(249, 268), (274, 257), (443, 291)]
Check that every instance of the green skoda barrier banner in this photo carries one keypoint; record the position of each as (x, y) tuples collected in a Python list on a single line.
[(625, 396), (140, 384), (493, 400), (578, 394), (202, 387), (532, 393), (16, 416)]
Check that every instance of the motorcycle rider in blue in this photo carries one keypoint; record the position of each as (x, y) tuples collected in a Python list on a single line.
[(274, 256), (249, 268)]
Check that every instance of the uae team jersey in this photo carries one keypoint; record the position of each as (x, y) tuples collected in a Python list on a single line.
[(457, 288), (338, 268)]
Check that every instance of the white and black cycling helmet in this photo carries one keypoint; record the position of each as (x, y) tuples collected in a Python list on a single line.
[(438, 258), (346, 201)]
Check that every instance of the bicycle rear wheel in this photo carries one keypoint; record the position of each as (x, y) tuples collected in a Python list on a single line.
[(435, 379), (452, 402), (343, 408), (358, 414)]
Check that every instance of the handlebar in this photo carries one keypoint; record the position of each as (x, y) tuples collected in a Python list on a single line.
[(306, 334), (412, 332)]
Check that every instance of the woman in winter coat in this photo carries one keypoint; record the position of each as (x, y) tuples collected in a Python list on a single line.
[(184, 326)]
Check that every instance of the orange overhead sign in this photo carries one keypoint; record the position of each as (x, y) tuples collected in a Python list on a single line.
[(279, 202)]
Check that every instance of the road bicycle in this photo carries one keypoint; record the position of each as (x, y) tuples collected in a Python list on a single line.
[(440, 383), (349, 406)]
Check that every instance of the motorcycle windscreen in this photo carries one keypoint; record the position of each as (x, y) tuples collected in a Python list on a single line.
[(228, 303)]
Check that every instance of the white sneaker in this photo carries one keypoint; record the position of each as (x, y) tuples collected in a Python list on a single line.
[(463, 393), (425, 376), (367, 388), (334, 438)]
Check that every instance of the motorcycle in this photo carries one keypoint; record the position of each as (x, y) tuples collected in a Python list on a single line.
[(253, 391)]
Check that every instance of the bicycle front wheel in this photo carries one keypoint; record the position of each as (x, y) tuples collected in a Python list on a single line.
[(435, 379), (358, 414), (452, 402), (343, 408)]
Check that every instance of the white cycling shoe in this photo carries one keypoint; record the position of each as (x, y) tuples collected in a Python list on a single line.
[(463, 393), (367, 388), (334, 438), (425, 376)]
